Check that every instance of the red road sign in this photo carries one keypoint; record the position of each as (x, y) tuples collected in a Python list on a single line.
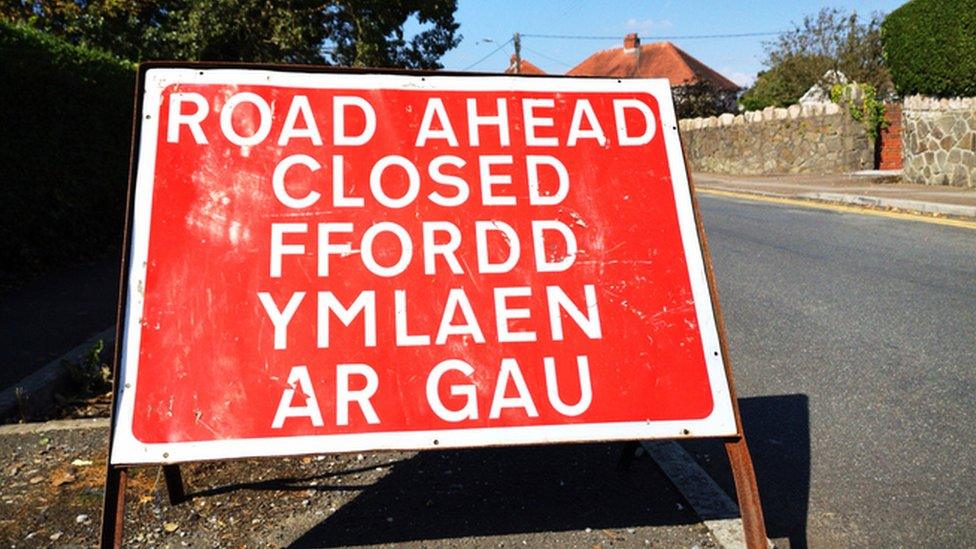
[(340, 262)]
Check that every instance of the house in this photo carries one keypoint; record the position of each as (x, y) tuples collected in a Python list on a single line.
[(698, 89), (522, 67)]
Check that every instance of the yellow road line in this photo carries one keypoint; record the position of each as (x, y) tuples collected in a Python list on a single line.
[(846, 208)]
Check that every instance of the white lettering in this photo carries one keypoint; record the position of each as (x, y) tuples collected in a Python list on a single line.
[(475, 121), (346, 396), (469, 392), (532, 122), (367, 253), (339, 135), (489, 180), (437, 176), (365, 303), (403, 337), (485, 265), (552, 387), (542, 263), (620, 117), (589, 323), (504, 314), (298, 379), (227, 119), (457, 300), (536, 198), (299, 106), (509, 370), (376, 181), (280, 319), (435, 107), (278, 181), (432, 249), (576, 132), (177, 118)]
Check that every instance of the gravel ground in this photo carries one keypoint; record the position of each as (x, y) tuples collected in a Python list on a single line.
[(566, 496)]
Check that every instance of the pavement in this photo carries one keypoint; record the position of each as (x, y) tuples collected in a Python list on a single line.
[(543, 496), (873, 188)]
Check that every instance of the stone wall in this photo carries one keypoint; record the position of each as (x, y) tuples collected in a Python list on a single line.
[(812, 138), (939, 141)]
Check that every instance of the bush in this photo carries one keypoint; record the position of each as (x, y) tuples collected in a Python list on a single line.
[(66, 117), (863, 104), (784, 84), (930, 47)]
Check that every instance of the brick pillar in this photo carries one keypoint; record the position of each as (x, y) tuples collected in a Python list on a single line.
[(889, 142)]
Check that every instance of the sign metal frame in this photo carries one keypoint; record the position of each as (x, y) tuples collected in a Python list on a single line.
[(735, 444)]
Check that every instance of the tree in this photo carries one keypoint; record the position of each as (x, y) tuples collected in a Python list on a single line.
[(369, 33), (338, 32), (702, 99), (800, 57), (247, 30)]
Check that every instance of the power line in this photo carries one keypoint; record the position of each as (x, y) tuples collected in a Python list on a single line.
[(672, 37), (493, 52), (540, 54)]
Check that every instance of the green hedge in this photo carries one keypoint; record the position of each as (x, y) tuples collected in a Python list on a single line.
[(930, 47), (66, 124)]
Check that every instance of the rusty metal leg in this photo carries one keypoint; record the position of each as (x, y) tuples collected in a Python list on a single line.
[(174, 484), (113, 507), (747, 492)]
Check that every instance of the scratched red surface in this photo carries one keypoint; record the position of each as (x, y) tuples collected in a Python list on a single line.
[(207, 366)]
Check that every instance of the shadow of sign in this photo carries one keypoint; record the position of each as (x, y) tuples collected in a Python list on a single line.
[(777, 429), (498, 491), (295, 483)]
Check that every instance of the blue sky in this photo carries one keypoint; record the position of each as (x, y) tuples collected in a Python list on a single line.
[(737, 58)]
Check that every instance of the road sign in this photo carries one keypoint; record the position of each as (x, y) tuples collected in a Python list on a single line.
[(324, 262)]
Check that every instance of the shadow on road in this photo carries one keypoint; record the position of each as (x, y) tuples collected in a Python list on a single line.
[(497, 491), (778, 431)]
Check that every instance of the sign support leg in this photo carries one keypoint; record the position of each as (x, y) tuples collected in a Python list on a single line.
[(746, 489), (747, 492), (113, 507), (174, 484)]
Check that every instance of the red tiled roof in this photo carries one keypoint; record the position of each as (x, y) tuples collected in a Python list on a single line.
[(524, 68), (656, 60)]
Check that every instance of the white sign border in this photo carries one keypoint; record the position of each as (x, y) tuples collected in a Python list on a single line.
[(128, 450)]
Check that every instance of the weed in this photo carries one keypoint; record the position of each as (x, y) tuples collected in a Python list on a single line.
[(21, 395), (90, 376)]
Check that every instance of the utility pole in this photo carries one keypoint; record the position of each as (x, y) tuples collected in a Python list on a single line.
[(518, 52)]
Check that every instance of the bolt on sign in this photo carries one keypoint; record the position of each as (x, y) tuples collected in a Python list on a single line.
[(331, 262)]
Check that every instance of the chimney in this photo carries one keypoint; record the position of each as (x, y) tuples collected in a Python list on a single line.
[(631, 41)]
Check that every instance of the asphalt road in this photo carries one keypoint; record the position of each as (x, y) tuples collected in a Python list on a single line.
[(852, 341)]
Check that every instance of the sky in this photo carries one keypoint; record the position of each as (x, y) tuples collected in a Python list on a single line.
[(487, 24)]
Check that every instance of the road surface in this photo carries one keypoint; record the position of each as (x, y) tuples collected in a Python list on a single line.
[(852, 339)]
